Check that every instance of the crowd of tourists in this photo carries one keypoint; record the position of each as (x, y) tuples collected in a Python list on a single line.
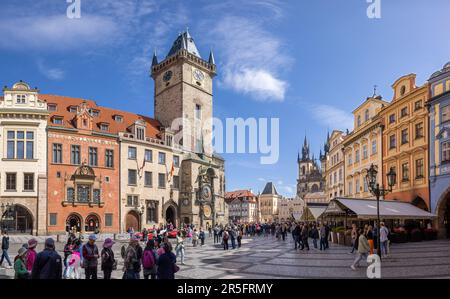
[(150, 252)]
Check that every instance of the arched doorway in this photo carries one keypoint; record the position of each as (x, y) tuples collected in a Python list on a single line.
[(17, 220), (132, 221), (170, 215), (314, 188), (420, 203), (443, 215), (73, 222), (92, 223)]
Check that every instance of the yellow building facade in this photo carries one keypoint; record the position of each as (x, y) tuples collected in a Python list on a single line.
[(362, 147), (334, 166), (405, 141)]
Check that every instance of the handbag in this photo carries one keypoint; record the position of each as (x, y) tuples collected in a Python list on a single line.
[(175, 268)]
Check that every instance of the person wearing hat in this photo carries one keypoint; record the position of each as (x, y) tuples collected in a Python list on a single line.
[(108, 261), (30, 256), (132, 259), (48, 263), (20, 271), (90, 257)]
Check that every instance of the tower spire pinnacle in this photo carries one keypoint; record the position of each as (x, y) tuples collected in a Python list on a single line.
[(211, 59)]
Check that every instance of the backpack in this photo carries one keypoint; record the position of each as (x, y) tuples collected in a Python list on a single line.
[(148, 260)]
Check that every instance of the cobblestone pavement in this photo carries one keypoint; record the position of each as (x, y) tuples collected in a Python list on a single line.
[(262, 258)]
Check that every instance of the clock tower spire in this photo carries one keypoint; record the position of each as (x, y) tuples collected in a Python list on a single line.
[(184, 94)]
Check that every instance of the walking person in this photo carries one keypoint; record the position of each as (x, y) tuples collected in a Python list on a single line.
[(369, 236), (296, 234), (322, 235), (108, 262), (90, 257), (314, 235), (239, 238), (202, 237), (363, 249), (48, 263), (232, 234), (216, 234), (304, 237), (225, 238), (327, 235), (68, 250), (167, 263), (195, 236), (384, 234), (179, 248), (149, 260), (354, 235), (20, 269), (5, 248)]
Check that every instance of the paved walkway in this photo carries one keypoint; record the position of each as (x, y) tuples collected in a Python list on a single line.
[(262, 258)]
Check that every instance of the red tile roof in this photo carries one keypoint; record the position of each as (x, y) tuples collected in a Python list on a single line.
[(105, 116), (238, 193)]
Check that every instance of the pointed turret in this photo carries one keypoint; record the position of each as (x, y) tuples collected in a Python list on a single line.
[(184, 41), (211, 59), (155, 59)]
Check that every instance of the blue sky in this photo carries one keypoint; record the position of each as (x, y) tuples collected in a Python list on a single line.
[(309, 63)]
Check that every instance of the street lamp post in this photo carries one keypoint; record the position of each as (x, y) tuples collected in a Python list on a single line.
[(378, 191)]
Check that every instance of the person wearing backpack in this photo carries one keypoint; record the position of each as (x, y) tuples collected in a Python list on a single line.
[(149, 260), (48, 263), (108, 262), (226, 236), (131, 259), (30, 255)]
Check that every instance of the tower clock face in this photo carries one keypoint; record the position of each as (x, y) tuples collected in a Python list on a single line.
[(206, 192), (198, 75), (167, 76)]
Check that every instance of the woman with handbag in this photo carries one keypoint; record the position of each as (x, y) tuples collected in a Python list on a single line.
[(108, 262)]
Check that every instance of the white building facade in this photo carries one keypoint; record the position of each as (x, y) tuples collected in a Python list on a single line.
[(23, 163)]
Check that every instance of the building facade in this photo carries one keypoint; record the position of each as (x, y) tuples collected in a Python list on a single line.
[(439, 148), (290, 209), (405, 142), (23, 163), (362, 147), (333, 171), (309, 174), (83, 166), (269, 203), (242, 206)]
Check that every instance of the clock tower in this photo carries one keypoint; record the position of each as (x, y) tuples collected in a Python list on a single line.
[(184, 94), (184, 104)]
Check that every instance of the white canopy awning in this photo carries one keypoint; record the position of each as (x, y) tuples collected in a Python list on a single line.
[(367, 209)]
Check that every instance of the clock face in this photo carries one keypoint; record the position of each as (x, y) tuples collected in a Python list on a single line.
[(198, 75), (207, 211), (167, 76), (186, 202), (206, 192)]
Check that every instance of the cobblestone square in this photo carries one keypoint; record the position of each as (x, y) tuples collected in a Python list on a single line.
[(267, 258)]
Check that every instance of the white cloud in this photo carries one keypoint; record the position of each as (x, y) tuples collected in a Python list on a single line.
[(51, 73), (252, 58), (332, 117), (55, 32)]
